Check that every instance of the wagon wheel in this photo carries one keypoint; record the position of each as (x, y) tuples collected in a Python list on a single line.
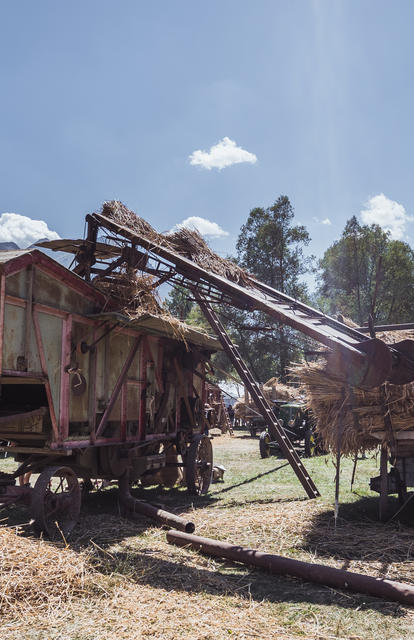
[(199, 465), (264, 445), (56, 501)]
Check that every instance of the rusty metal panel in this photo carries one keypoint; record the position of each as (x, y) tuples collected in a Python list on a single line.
[(51, 334), (119, 348), (111, 355), (101, 350), (14, 335), (16, 284), (55, 293), (133, 408), (79, 372)]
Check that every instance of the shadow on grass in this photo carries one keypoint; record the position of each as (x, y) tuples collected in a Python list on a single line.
[(358, 535), (175, 499), (230, 578)]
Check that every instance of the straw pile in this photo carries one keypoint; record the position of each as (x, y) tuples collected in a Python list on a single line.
[(35, 574), (186, 242), (133, 292), (352, 419), (273, 390), (129, 290)]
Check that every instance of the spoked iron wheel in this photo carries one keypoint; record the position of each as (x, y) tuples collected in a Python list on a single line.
[(56, 501), (199, 465)]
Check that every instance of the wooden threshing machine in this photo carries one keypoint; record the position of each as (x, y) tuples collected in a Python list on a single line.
[(88, 393)]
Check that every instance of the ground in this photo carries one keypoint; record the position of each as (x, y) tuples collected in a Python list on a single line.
[(138, 586)]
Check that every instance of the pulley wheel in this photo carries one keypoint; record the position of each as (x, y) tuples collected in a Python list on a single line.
[(56, 501), (199, 465)]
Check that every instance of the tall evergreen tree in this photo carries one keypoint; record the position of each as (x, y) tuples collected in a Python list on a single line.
[(270, 246)]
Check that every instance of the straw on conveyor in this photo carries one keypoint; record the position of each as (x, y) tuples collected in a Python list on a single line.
[(133, 291), (186, 242)]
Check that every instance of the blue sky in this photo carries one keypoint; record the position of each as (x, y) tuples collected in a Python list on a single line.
[(104, 99)]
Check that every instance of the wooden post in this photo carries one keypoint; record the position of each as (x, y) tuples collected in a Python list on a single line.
[(383, 500)]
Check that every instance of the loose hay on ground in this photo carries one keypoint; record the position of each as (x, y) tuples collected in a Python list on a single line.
[(148, 589), (35, 574)]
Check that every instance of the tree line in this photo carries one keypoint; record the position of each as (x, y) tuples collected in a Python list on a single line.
[(364, 273)]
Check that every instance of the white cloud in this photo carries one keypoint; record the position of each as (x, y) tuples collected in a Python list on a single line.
[(319, 221), (388, 214), (203, 226), (221, 155), (23, 230)]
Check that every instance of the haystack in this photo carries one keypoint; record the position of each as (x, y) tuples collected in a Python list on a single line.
[(351, 420)]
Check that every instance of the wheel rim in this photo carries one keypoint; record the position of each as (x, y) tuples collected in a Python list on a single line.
[(56, 502), (199, 465)]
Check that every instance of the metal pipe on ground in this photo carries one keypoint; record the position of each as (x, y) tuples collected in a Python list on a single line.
[(279, 565), (134, 506)]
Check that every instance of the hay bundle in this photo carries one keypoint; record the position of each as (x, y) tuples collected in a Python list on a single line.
[(351, 417), (133, 292), (35, 574)]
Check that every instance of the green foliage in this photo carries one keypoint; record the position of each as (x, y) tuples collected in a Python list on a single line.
[(366, 273), (271, 247), (178, 302)]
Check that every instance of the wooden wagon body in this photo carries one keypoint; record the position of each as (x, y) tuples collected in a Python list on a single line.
[(86, 387)]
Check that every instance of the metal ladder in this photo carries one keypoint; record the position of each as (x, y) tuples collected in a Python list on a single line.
[(276, 431)]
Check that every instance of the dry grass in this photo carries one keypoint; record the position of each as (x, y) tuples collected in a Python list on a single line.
[(276, 390), (190, 244), (133, 585), (36, 575), (348, 417)]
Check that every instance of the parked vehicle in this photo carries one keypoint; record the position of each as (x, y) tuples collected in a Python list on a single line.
[(297, 423)]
